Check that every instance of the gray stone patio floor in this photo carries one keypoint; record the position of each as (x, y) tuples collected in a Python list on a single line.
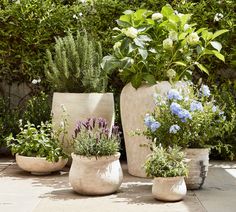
[(23, 192)]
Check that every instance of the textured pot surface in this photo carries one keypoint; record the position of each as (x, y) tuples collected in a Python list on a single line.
[(198, 167), (39, 166), (135, 103), (169, 188), (91, 176), (80, 106)]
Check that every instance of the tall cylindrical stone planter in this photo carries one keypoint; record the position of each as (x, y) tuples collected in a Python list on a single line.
[(135, 103), (95, 175), (198, 167), (80, 106)]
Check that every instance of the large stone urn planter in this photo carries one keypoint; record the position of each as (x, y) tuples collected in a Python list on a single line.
[(80, 106), (135, 103), (39, 165), (95, 176), (198, 167), (169, 188)]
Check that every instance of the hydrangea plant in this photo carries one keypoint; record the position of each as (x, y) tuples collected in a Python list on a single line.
[(187, 117), (94, 138), (153, 46)]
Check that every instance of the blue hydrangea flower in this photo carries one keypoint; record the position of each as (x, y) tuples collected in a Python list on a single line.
[(174, 129), (184, 115), (154, 126), (175, 108), (195, 105), (148, 120), (174, 94), (205, 90)]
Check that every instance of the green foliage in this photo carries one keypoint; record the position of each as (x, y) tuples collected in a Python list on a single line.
[(27, 29), (168, 162), (37, 109), (159, 46), (75, 67), (8, 120), (93, 138), (188, 118), (38, 141)]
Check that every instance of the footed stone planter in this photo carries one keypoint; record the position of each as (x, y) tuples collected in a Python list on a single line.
[(80, 106), (198, 167), (38, 165), (135, 103), (169, 188), (95, 176)]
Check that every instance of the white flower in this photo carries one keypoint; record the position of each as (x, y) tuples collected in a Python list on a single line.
[(130, 32), (186, 26), (80, 14), (83, 1), (218, 17), (39, 80), (75, 17), (173, 35), (156, 16), (167, 43), (171, 73), (193, 38), (117, 45), (36, 81), (121, 70)]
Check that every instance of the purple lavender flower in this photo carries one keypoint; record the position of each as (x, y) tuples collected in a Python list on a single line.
[(175, 108), (148, 120), (205, 90), (174, 129), (174, 94), (154, 126), (195, 105)]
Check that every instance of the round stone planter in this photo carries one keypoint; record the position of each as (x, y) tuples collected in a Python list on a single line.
[(169, 188), (135, 103), (95, 176), (198, 167), (38, 165), (80, 106)]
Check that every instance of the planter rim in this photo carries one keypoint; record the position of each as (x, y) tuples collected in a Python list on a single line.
[(84, 93), (169, 178), (116, 156), (39, 158)]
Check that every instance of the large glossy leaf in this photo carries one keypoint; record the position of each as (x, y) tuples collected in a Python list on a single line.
[(216, 45), (143, 53), (219, 32), (219, 55), (180, 63), (167, 11), (150, 79), (202, 68), (136, 80)]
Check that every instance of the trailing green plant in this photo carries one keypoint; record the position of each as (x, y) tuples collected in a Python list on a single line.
[(152, 46), (37, 109), (75, 66), (94, 138), (166, 162), (40, 141), (187, 117)]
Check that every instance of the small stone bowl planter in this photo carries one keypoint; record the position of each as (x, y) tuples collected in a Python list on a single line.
[(95, 175), (169, 188), (39, 165)]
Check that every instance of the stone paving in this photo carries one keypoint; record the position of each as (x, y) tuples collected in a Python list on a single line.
[(23, 192)]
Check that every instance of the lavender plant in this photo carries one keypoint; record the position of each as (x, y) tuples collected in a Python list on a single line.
[(94, 138)]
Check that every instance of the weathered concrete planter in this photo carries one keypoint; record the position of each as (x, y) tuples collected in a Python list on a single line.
[(135, 103), (80, 106), (39, 166), (169, 188), (95, 176), (198, 167)]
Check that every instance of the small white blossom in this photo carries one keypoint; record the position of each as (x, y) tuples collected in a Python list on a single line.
[(173, 35), (121, 70), (130, 32), (218, 17), (167, 43), (75, 17), (171, 73), (117, 45), (83, 1), (186, 27), (80, 14), (36, 81), (193, 38), (156, 16)]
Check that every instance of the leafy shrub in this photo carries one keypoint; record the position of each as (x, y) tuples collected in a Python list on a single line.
[(37, 109), (168, 162), (75, 67), (93, 138), (40, 141)]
